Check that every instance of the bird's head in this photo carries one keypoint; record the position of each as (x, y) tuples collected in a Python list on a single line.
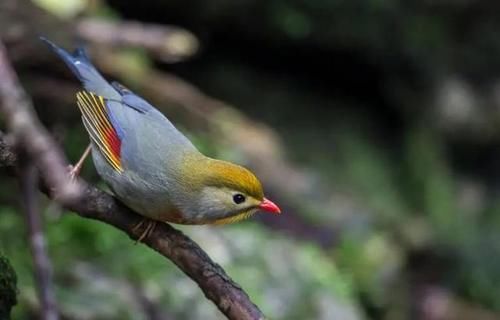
[(227, 193)]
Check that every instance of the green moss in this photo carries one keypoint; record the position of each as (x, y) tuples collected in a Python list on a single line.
[(8, 289)]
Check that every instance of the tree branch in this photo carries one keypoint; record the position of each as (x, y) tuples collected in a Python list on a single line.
[(92, 203), (168, 43), (43, 269)]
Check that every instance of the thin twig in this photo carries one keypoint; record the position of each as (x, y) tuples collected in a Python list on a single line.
[(41, 261), (90, 202), (168, 43)]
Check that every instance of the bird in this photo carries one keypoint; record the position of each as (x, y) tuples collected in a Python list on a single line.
[(151, 166)]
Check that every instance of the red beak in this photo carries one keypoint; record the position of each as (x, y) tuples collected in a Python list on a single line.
[(269, 206)]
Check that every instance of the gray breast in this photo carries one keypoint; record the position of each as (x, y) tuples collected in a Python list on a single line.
[(151, 152), (147, 197)]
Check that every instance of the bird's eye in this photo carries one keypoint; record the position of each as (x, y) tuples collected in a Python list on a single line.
[(238, 198)]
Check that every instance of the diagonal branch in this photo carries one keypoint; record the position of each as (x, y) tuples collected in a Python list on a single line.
[(43, 269), (92, 203), (167, 43)]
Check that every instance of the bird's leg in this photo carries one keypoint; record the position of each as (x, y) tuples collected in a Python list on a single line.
[(137, 226), (151, 224), (149, 230), (74, 171)]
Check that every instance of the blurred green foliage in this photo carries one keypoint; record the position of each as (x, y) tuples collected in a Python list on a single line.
[(99, 271)]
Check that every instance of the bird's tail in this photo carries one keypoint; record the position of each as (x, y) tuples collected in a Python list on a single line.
[(84, 70)]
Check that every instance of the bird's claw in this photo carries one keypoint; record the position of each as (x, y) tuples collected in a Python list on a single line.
[(73, 172), (147, 231)]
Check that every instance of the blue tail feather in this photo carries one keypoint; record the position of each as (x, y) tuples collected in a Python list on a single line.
[(69, 59), (84, 70), (81, 53)]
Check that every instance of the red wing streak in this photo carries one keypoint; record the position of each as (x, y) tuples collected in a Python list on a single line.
[(97, 123)]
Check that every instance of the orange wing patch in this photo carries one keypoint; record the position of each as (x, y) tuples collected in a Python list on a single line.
[(97, 122)]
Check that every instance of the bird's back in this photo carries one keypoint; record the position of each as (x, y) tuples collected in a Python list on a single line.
[(135, 148), (152, 153)]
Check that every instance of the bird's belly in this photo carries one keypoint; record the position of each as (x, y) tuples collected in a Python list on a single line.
[(147, 197), (164, 212), (156, 211), (153, 204)]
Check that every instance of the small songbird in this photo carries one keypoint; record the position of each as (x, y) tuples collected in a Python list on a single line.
[(150, 165)]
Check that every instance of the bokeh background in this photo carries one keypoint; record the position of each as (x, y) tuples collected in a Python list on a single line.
[(374, 124)]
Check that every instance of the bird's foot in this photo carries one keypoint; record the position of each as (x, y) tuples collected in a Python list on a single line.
[(151, 224), (73, 172)]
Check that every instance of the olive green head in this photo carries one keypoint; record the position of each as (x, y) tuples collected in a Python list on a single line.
[(224, 192)]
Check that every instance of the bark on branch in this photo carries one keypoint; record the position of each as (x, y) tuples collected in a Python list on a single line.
[(92, 203)]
